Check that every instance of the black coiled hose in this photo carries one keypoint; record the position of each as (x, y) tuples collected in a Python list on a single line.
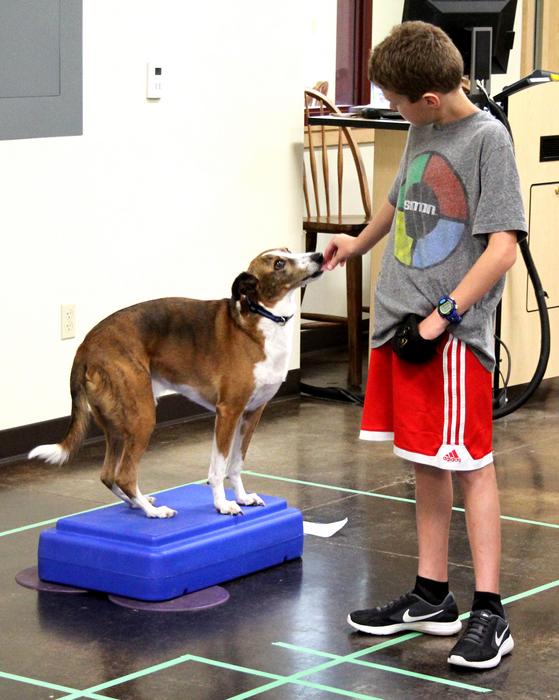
[(545, 340), (508, 407)]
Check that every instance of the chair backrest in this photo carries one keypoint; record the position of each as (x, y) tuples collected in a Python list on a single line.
[(319, 181)]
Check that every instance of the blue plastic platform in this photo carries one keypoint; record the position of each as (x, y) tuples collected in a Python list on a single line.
[(119, 550)]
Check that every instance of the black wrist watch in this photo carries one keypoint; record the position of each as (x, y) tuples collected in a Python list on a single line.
[(447, 309)]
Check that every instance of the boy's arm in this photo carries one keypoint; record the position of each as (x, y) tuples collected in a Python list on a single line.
[(497, 258), (341, 247)]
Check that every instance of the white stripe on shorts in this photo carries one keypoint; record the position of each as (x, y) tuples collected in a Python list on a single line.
[(375, 435), (454, 374)]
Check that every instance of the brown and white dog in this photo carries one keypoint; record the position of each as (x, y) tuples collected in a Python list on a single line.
[(228, 355)]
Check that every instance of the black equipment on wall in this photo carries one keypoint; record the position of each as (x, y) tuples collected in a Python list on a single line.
[(482, 30), (501, 405)]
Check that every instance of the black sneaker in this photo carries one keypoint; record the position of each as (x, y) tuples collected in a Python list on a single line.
[(487, 638), (409, 612)]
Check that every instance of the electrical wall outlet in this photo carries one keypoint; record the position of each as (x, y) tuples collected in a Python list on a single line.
[(67, 321)]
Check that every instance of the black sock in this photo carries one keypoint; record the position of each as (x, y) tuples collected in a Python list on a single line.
[(433, 592), (483, 600)]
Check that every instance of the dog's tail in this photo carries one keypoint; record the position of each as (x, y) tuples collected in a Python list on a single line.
[(79, 421)]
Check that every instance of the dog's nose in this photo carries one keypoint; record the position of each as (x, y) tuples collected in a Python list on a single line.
[(317, 258)]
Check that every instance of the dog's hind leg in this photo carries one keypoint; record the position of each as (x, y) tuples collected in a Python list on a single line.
[(122, 403), (113, 449), (135, 424), (243, 435), (113, 452), (126, 477), (226, 427), (110, 467)]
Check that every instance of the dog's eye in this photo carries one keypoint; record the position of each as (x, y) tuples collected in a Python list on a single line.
[(279, 264)]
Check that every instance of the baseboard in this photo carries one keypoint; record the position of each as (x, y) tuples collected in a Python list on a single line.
[(174, 408), (323, 337)]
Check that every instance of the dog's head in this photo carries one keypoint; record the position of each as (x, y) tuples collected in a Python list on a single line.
[(275, 273)]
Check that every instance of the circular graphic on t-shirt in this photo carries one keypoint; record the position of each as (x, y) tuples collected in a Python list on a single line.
[(432, 212)]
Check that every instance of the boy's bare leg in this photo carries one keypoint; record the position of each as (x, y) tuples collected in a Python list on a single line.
[(430, 607), (481, 502), (487, 637), (433, 489)]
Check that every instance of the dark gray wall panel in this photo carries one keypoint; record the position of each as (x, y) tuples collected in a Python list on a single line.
[(40, 68)]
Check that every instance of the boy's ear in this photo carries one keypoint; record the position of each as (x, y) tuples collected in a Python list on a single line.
[(245, 284), (431, 99)]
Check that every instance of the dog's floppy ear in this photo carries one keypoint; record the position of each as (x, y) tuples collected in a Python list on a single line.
[(245, 284)]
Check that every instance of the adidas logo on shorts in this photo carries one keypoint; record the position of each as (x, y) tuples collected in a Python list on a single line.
[(455, 456)]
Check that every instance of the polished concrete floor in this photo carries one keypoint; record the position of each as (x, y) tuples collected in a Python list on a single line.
[(282, 634)]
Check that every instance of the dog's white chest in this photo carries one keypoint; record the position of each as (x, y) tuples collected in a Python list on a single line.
[(271, 372)]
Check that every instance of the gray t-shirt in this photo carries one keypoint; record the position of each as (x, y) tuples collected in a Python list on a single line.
[(456, 183)]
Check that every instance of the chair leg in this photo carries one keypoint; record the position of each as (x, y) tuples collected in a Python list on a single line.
[(354, 285), (310, 241), (310, 247)]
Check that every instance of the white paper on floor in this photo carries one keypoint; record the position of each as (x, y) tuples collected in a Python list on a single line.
[(323, 529)]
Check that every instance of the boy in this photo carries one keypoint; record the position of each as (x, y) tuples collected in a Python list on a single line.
[(454, 214)]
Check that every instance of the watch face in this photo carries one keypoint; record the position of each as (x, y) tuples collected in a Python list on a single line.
[(446, 307)]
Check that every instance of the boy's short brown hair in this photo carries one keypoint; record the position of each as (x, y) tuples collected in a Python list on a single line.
[(415, 58)]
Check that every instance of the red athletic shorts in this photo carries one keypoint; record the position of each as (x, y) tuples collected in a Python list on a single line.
[(437, 413)]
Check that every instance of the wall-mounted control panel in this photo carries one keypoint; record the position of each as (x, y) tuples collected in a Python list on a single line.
[(154, 81)]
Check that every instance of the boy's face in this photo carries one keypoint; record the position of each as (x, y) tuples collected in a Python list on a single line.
[(418, 113)]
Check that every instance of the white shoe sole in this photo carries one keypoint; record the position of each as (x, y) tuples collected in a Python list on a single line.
[(506, 648), (440, 629)]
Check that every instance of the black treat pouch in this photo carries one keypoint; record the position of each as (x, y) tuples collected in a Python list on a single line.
[(409, 345)]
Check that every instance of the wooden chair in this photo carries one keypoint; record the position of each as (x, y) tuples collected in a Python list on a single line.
[(327, 215)]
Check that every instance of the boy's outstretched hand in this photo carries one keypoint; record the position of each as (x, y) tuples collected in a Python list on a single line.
[(339, 249)]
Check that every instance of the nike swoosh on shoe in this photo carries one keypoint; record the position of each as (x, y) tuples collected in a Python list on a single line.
[(499, 638), (416, 618)]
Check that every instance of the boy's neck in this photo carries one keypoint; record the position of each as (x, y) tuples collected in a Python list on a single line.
[(453, 107)]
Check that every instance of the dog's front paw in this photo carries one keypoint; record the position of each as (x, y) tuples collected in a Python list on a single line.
[(251, 499), (228, 508), (161, 512)]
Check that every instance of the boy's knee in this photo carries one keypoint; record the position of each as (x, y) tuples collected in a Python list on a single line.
[(475, 475)]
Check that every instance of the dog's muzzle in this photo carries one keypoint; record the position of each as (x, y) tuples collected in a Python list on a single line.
[(316, 259)]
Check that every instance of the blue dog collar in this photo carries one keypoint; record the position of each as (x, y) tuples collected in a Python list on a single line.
[(258, 309)]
